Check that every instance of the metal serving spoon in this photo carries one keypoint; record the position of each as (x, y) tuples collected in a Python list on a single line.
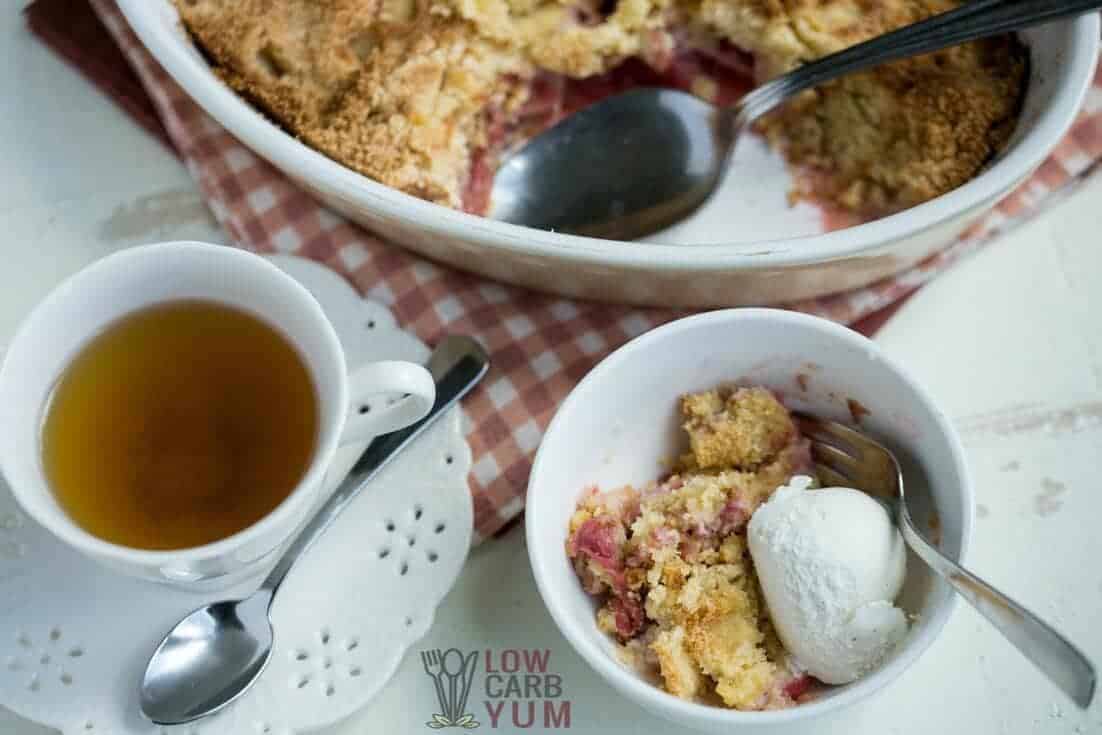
[(848, 458), (641, 161), (216, 653)]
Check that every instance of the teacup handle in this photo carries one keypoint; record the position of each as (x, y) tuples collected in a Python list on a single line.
[(369, 418)]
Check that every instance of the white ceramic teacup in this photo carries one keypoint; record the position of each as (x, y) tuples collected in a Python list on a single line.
[(132, 279)]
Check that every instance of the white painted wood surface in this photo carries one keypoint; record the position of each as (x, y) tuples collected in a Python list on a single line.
[(1010, 342)]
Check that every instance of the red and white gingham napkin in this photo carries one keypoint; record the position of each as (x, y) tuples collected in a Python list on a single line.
[(540, 345)]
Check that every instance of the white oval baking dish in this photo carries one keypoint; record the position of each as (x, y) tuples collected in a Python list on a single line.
[(1063, 57)]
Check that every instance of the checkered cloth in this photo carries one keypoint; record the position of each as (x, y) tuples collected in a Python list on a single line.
[(540, 345)]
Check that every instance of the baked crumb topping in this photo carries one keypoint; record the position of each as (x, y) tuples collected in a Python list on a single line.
[(395, 89), (740, 427), (670, 561), (408, 92), (903, 133)]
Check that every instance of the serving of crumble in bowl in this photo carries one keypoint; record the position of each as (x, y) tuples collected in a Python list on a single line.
[(394, 113), (652, 469)]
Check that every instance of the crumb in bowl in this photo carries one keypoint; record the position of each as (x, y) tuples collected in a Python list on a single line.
[(732, 582), (857, 410), (671, 559)]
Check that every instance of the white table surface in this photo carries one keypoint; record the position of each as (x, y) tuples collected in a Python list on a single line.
[(1010, 342)]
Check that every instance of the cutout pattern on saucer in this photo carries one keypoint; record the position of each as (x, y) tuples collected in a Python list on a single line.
[(75, 637)]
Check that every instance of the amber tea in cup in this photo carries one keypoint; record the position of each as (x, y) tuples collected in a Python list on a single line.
[(178, 425)]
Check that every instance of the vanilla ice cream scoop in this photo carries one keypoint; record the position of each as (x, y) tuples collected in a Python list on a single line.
[(831, 563)]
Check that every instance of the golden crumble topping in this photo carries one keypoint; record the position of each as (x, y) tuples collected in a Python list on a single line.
[(410, 92), (902, 133), (739, 427), (392, 88), (671, 564)]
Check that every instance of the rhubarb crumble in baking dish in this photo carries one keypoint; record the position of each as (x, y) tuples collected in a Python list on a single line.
[(425, 95)]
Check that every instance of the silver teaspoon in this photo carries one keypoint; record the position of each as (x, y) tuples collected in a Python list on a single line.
[(215, 654), (641, 161), (848, 458)]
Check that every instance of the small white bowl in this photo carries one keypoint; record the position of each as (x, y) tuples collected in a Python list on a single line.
[(621, 421)]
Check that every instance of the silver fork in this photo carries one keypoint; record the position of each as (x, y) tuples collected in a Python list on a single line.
[(434, 667), (848, 458)]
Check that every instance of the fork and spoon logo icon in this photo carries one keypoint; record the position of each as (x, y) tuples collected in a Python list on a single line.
[(451, 672)]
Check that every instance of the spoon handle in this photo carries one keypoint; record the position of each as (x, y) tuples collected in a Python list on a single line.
[(1063, 663), (457, 365), (972, 21)]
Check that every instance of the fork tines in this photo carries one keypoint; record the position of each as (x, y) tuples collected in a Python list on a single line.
[(846, 457)]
